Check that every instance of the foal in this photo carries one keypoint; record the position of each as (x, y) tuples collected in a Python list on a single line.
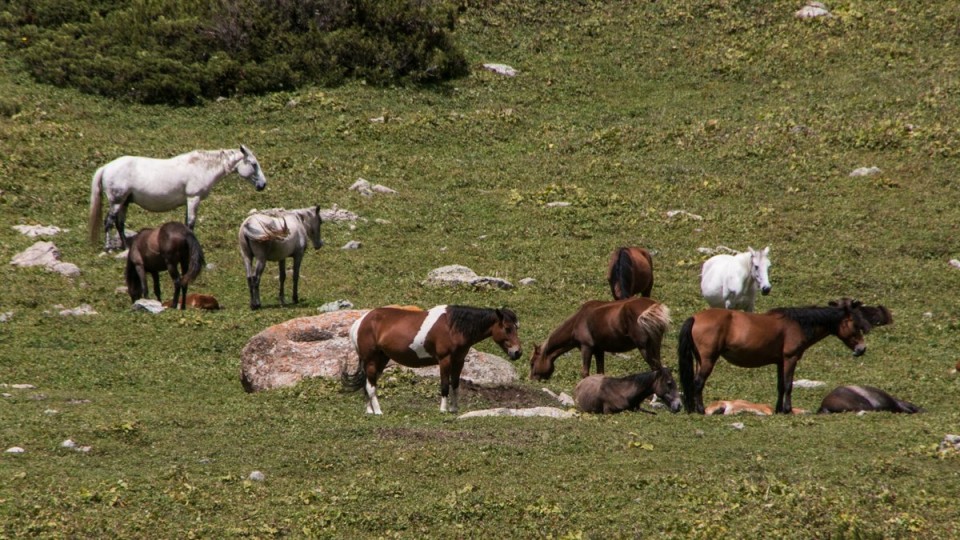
[(607, 395)]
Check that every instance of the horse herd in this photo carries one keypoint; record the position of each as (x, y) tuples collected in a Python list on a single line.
[(444, 334)]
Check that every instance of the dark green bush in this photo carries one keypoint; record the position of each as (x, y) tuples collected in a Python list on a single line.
[(182, 52)]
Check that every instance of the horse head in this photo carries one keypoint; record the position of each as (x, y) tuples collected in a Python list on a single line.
[(506, 334), (666, 389), (541, 368), (313, 227), (853, 326), (249, 169), (760, 268)]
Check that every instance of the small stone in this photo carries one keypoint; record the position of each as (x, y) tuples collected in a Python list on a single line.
[(527, 281), (6, 316), (737, 425), (812, 10), (148, 305), (336, 305), (82, 309), (807, 383), (15, 450), (353, 244), (23, 386), (33, 231), (257, 476), (84, 449), (865, 171), (501, 69), (51, 411), (683, 213), (699, 433), (69, 443), (558, 204)]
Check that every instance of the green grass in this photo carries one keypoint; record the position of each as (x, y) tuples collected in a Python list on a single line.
[(734, 111)]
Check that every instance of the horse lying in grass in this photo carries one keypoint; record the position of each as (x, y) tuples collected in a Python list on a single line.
[(737, 406), (630, 272), (607, 395), (164, 248), (440, 336), (864, 398), (198, 301)]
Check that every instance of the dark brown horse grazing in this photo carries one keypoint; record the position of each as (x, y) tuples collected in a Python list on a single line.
[(864, 398), (599, 327), (607, 395), (630, 271), (441, 336), (779, 336), (164, 248)]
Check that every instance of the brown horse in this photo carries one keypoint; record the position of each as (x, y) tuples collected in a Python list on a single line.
[(864, 398), (608, 395), (779, 336), (599, 327), (171, 245), (198, 301), (737, 406), (441, 336), (630, 271)]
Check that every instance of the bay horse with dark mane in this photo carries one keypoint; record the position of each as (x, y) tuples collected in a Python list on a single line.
[(864, 398), (167, 247), (629, 272), (440, 336), (608, 395), (779, 336), (599, 327)]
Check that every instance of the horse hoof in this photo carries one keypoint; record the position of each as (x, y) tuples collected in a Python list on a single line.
[(254, 306)]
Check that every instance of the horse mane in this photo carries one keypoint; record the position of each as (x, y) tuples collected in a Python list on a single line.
[(473, 321), (210, 159), (810, 318)]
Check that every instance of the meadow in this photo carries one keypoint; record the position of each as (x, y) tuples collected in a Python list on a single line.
[(735, 112)]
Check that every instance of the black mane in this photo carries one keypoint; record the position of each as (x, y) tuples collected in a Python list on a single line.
[(813, 317), (473, 321)]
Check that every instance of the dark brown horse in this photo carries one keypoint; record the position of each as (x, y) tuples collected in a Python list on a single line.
[(600, 327), (630, 271), (164, 248), (441, 336), (779, 336), (863, 398), (607, 395)]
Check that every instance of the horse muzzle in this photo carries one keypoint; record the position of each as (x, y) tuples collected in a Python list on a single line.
[(260, 186), (859, 350), (515, 354), (765, 290)]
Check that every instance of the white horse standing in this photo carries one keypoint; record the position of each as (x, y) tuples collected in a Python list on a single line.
[(731, 281), (160, 185), (274, 235)]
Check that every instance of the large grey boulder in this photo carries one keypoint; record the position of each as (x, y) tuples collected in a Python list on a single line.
[(456, 275), (319, 346), (47, 255)]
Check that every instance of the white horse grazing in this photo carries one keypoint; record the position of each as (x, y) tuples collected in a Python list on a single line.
[(274, 235), (731, 281), (159, 185)]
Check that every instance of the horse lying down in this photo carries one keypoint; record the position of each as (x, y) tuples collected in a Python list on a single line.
[(864, 398), (198, 301), (608, 395), (737, 406)]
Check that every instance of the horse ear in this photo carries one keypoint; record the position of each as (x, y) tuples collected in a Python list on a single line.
[(833, 303), (244, 150), (855, 304), (499, 314), (766, 250)]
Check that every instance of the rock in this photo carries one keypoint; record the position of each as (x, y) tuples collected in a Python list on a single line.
[(807, 383), (718, 249), (501, 69), (812, 10), (865, 171), (320, 346), (954, 263), (683, 213), (558, 204), (15, 450), (353, 244), (69, 443), (563, 397), (257, 476), (527, 281), (148, 305), (336, 214), (549, 412), (455, 275), (737, 425), (6, 316), (950, 443), (34, 231), (82, 309), (47, 255), (23, 386), (336, 305), (367, 189)]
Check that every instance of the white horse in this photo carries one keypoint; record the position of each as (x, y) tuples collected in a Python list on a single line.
[(731, 281), (274, 235), (159, 185)]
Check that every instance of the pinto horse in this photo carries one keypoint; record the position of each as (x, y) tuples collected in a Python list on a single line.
[(440, 336), (599, 327), (629, 272), (164, 248), (159, 185), (608, 395), (779, 336), (864, 398), (732, 281)]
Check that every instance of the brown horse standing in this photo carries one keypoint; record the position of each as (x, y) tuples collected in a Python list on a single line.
[(864, 398), (630, 271), (779, 336), (599, 327), (608, 395), (441, 336), (164, 248)]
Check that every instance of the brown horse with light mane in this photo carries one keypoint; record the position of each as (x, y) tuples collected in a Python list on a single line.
[(608, 395), (440, 336), (779, 336), (599, 327), (864, 398), (630, 271), (171, 245)]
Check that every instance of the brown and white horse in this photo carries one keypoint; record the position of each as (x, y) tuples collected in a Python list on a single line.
[(607, 395), (779, 336), (629, 272), (864, 398), (599, 327), (440, 336)]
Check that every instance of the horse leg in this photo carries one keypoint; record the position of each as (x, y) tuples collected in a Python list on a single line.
[(585, 354), (192, 204), (598, 355), (785, 371), (444, 365), (455, 368), (700, 380), (116, 218), (255, 283), (175, 276), (373, 369), (282, 263), (297, 259)]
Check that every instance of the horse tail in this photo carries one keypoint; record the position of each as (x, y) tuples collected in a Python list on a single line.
[(352, 382), (688, 358), (655, 320), (196, 260), (620, 267), (134, 288), (96, 206)]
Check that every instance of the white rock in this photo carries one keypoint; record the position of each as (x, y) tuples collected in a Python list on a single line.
[(82, 309), (527, 281), (15, 450), (955, 263), (257, 476), (675, 213), (6, 316), (336, 305), (812, 10), (558, 204), (549, 412), (148, 305), (807, 383), (336, 214), (69, 443), (34, 231), (51, 411), (502, 69), (23, 386), (353, 244), (47, 255), (865, 171), (737, 425)]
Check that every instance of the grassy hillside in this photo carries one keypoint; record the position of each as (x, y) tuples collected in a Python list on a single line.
[(733, 111)]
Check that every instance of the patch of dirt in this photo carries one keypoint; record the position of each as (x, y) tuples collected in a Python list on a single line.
[(475, 396)]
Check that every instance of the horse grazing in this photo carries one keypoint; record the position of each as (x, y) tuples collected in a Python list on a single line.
[(779, 336), (164, 248), (629, 272), (737, 406), (864, 398), (198, 301), (440, 336), (274, 235), (599, 327), (608, 395), (159, 185), (731, 281)]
